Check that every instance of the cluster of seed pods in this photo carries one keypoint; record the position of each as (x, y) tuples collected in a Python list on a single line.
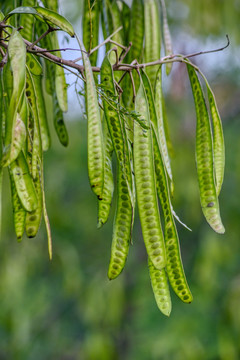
[(144, 167), (24, 122), (130, 124)]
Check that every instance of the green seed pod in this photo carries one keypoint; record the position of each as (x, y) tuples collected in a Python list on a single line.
[(104, 205), (122, 228), (34, 65), (90, 23), (136, 31), (123, 221), (60, 80), (24, 183), (95, 137), (174, 266), (106, 21), (166, 37), (114, 121), (55, 19), (152, 36), (42, 116), (135, 36), (36, 150), (19, 213), (146, 186), (59, 123), (160, 288), (51, 4), (33, 219), (204, 157), (160, 121), (27, 22), (218, 139), (15, 132)]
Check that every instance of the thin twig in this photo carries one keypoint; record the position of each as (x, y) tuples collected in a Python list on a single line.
[(100, 45), (117, 44), (4, 60), (123, 55), (119, 89), (133, 86), (209, 51), (123, 76), (55, 50), (2, 52), (48, 31)]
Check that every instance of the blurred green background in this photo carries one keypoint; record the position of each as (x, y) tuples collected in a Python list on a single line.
[(67, 309)]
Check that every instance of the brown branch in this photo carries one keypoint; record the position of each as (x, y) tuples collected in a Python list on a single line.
[(210, 51), (117, 44), (124, 53), (118, 66), (48, 31), (3, 61)]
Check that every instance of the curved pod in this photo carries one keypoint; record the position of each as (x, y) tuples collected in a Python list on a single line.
[(160, 288), (174, 266), (204, 157)]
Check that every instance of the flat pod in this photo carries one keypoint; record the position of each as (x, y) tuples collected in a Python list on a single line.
[(106, 22), (19, 213), (55, 19), (15, 131), (156, 115), (95, 137), (41, 110), (104, 205), (51, 4), (115, 15), (135, 36), (114, 121), (34, 65), (166, 37), (60, 80), (33, 219), (152, 36), (27, 22), (59, 123), (136, 30), (123, 221), (146, 186), (36, 148), (160, 288), (24, 183), (49, 67), (174, 266), (90, 23), (204, 157), (218, 139), (116, 23), (122, 228)]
